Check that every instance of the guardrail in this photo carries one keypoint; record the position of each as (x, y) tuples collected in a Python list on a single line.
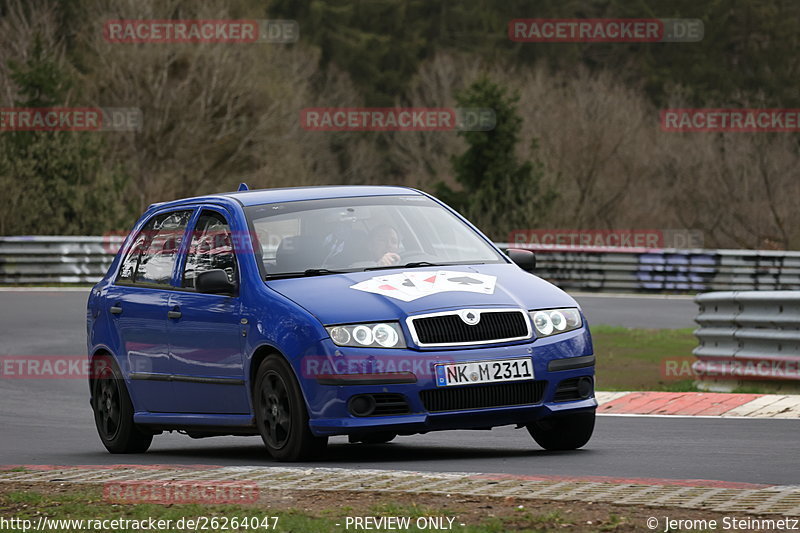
[(667, 270), (748, 336), (55, 259), (58, 259)]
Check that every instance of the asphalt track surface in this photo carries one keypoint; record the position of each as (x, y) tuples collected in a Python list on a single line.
[(50, 422)]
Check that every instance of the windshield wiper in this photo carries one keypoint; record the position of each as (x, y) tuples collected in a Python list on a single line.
[(413, 264), (321, 271), (306, 273)]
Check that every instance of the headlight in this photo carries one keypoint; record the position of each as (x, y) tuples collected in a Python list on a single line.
[(553, 321), (380, 335)]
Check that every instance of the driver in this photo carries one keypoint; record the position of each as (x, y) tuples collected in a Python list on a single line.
[(384, 245)]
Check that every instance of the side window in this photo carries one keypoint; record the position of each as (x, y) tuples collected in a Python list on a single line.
[(211, 248), (128, 269), (151, 258)]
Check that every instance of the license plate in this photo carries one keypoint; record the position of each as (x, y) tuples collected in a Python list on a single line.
[(497, 371)]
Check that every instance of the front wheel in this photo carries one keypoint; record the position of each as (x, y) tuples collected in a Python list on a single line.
[(563, 432), (281, 415), (113, 410)]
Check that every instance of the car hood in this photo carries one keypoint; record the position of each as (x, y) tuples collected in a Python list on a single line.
[(332, 299)]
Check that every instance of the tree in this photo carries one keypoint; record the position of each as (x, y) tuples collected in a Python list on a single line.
[(54, 182), (498, 192)]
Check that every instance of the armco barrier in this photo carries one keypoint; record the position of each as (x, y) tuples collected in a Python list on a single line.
[(667, 270), (55, 259), (748, 336), (58, 259)]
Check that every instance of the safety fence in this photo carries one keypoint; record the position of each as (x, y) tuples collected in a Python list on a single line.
[(667, 270), (55, 259), (58, 259), (748, 335)]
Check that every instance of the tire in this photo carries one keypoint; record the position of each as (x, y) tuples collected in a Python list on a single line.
[(563, 432), (379, 437), (281, 414), (113, 410)]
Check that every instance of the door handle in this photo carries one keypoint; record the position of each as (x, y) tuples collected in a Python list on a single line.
[(174, 314), (116, 310)]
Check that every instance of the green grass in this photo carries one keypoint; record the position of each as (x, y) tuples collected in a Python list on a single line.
[(28, 498), (633, 359), (414, 510)]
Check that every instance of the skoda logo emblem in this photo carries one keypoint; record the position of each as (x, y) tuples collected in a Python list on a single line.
[(470, 317)]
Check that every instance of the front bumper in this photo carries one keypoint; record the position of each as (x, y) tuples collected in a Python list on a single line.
[(328, 402)]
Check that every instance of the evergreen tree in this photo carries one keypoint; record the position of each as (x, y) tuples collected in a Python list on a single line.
[(498, 192), (56, 182)]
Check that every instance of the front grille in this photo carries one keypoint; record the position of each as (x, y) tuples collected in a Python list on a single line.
[(494, 326), (378, 404), (390, 404), (481, 396)]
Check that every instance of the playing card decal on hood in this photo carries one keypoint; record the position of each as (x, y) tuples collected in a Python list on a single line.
[(409, 286)]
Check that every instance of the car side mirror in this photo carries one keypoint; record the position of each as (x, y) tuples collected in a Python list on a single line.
[(214, 282), (525, 259)]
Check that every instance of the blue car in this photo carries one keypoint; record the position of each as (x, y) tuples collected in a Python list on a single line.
[(297, 314)]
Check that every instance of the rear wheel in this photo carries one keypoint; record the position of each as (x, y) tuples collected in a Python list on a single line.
[(113, 410), (563, 432), (281, 415)]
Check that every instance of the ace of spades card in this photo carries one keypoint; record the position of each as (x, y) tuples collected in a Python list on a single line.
[(464, 282)]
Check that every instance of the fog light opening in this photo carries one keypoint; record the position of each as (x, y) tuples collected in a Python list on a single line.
[(585, 387), (363, 405)]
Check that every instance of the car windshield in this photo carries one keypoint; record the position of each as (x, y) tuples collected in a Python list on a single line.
[(350, 234)]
